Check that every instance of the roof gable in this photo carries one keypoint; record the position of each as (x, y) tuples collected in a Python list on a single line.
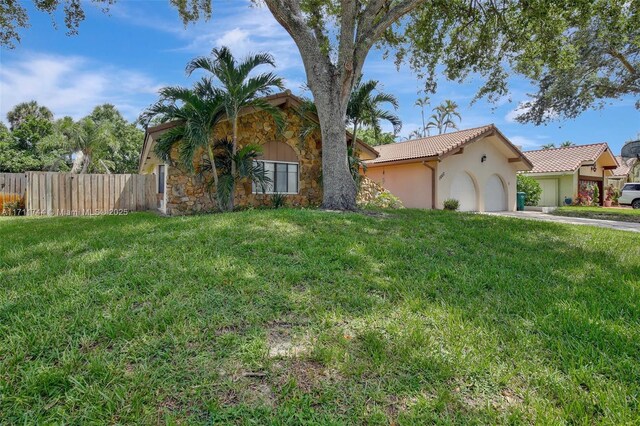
[(566, 159), (282, 99), (439, 146)]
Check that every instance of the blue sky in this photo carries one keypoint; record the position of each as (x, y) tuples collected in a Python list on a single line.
[(140, 46)]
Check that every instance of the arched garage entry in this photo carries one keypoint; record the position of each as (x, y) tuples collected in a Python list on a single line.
[(495, 194), (463, 189)]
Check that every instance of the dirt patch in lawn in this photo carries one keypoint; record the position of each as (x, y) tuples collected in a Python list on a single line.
[(308, 375), (284, 342)]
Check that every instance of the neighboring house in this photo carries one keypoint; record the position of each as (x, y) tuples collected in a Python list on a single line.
[(629, 160), (563, 172), (478, 167), (295, 166), (626, 172)]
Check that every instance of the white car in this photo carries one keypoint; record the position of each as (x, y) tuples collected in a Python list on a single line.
[(630, 195)]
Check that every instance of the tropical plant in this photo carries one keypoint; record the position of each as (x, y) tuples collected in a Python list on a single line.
[(416, 134), (238, 90), (124, 154), (423, 103), (369, 136), (355, 165), (278, 200), (90, 140), (579, 54), (531, 188), (365, 109), (451, 204), (549, 146), (566, 144), (197, 111), (235, 168), (384, 200), (22, 111), (443, 117), (596, 195)]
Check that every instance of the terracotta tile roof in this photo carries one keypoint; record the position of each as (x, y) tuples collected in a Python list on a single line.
[(624, 166), (431, 146), (567, 159)]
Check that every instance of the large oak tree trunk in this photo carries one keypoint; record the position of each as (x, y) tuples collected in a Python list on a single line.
[(339, 189)]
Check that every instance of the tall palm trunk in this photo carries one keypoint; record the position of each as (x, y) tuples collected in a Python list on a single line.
[(78, 161), (214, 171), (87, 161), (353, 141), (234, 149)]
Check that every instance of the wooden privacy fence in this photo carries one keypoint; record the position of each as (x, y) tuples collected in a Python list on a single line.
[(67, 194)]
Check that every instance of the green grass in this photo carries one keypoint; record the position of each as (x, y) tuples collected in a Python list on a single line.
[(291, 316), (620, 214)]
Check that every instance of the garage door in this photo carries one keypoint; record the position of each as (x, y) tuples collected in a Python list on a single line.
[(549, 196), (463, 190), (495, 195)]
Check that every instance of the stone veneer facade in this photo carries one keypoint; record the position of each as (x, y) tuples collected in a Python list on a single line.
[(186, 192)]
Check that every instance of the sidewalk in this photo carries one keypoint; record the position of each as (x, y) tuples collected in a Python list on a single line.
[(611, 224)]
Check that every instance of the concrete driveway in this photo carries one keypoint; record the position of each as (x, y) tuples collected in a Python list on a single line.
[(611, 224)]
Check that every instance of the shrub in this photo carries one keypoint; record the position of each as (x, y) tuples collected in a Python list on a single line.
[(278, 200), (385, 200), (596, 195), (531, 188), (585, 196), (11, 206), (451, 204)]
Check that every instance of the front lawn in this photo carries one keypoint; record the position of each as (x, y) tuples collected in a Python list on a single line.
[(613, 213), (290, 317)]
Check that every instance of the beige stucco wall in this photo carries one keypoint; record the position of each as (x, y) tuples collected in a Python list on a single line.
[(568, 187), (470, 162), (565, 184), (410, 182)]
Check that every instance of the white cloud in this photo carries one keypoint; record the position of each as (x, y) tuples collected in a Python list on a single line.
[(526, 143), (73, 85), (514, 113)]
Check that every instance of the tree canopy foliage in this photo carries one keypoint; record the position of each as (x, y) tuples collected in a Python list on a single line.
[(578, 53), (228, 87), (101, 142)]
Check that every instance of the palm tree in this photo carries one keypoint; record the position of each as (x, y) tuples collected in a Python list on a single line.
[(416, 134), (364, 108), (423, 103), (239, 90), (548, 146), (443, 117), (88, 140), (248, 169), (198, 111), (567, 144), (22, 111)]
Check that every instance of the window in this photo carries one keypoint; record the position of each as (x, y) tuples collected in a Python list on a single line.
[(632, 187), (161, 179), (284, 178)]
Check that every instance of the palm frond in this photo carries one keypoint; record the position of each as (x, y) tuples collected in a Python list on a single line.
[(205, 63), (273, 111), (261, 85), (167, 141), (253, 61)]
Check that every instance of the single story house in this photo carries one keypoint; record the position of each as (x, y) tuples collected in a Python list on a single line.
[(477, 167), (629, 160), (563, 172), (293, 164), (627, 171)]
